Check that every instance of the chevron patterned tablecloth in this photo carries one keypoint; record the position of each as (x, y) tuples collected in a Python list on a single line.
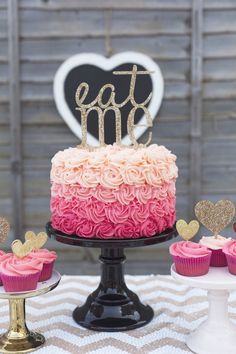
[(178, 310)]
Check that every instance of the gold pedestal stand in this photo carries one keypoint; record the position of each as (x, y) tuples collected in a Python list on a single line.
[(18, 338)]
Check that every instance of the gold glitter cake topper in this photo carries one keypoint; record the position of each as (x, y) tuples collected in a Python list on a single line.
[(102, 108), (187, 231), (4, 229), (215, 217), (37, 241), (21, 249)]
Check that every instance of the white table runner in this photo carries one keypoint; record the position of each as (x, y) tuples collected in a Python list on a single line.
[(178, 310)]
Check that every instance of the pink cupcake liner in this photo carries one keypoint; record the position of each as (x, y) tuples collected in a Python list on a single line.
[(231, 260), (46, 271), (218, 258), (192, 267), (17, 283)]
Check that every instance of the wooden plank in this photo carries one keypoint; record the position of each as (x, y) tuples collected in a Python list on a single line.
[(44, 71), (3, 23), (3, 50), (220, 128), (45, 113), (4, 113), (220, 89), (160, 47), (4, 93), (219, 46), (106, 4), (219, 5), (219, 179), (15, 117), (219, 70), (44, 91), (215, 109), (83, 24), (219, 21), (196, 106), (219, 151)]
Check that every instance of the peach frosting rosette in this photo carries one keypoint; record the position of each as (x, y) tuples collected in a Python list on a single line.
[(191, 259)]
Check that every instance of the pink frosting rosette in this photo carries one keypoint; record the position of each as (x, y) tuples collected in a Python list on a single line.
[(117, 213), (124, 194), (139, 213), (104, 230), (105, 195), (96, 212), (85, 229), (127, 229), (191, 259), (188, 249), (148, 228), (43, 255)]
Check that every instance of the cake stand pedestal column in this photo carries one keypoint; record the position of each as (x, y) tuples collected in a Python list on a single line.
[(18, 338), (217, 334), (112, 307)]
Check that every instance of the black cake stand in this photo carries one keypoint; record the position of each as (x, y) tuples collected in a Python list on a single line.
[(112, 307)]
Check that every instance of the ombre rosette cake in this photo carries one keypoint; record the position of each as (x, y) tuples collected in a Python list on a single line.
[(113, 191)]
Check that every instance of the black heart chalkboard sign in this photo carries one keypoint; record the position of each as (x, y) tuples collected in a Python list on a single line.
[(97, 71)]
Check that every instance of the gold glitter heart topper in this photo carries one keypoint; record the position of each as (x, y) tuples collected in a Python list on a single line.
[(101, 108), (32, 242), (21, 249), (4, 229), (215, 217), (187, 231), (37, 241)]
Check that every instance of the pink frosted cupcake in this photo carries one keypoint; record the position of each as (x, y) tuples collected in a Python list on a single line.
[(20, 274), (2, 254), (191, 259), (215, 244), (229, 250), (48, 259)]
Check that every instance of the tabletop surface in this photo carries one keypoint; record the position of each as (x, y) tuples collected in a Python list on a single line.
[(178, 310)]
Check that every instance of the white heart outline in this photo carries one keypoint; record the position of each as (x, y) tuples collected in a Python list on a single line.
[(107, 64)]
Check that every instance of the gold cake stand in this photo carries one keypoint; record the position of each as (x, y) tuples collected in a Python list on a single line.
[(18, 338)]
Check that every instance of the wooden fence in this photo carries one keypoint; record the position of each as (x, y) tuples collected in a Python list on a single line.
[(194, 42)]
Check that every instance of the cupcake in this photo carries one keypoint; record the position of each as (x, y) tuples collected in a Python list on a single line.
[(215, 244), (47, 258), (229, 250), (20, 274), (190, 258), (2, 254)]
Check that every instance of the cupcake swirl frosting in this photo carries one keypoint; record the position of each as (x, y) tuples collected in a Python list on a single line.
[(43, 255), (14, 266), (215, 243), (188, 249), (230, 248)]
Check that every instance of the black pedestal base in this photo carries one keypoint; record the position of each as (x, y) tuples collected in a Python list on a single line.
[(113, 312), (112, 307)]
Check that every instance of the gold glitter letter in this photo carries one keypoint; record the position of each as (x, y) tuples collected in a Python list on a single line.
[(131, 126)]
